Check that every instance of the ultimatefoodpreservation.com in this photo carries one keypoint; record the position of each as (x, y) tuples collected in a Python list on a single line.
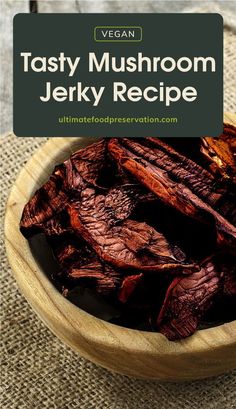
[(112, 120)]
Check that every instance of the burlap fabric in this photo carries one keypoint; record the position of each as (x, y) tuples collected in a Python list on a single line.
[(38, 371)]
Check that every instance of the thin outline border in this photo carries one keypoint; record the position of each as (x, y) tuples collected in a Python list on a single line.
[(117, 41)]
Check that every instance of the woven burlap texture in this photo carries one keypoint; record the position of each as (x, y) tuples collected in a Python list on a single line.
[(38, 371)]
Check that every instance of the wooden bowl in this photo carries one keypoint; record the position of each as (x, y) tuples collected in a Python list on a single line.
[(131, 352)]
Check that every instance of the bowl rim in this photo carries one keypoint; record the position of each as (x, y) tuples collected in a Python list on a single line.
[(34, 283)]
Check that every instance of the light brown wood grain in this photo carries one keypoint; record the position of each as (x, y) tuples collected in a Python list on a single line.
[(136, 353)]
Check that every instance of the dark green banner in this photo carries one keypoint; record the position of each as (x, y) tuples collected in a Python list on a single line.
[(118, 74)]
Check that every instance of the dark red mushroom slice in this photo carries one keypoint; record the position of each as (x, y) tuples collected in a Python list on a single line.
[(89, 161), (187, 299), (128, 286), (122, 242), (67, 179), (95, 274), (178, 166), (79, 263), (45, 203)]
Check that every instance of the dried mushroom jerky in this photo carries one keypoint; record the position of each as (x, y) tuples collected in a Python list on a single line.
[(118, 215), (123, 242), (187, 299), (171, 192), (66, 181)]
